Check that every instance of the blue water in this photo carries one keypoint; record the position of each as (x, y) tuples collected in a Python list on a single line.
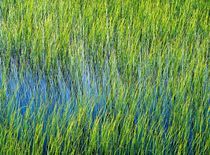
[(28, 90)]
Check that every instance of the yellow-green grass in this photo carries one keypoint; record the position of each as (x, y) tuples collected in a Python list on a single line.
[(104, 77)]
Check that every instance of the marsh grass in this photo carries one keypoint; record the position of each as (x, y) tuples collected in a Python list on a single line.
[(104, 77)]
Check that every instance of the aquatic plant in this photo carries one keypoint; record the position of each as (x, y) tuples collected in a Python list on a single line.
[(104, 77)]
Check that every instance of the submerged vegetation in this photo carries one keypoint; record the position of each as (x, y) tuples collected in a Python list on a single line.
[(104, 77)]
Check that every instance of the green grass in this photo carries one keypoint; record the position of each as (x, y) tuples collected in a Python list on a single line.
[(104, 77)]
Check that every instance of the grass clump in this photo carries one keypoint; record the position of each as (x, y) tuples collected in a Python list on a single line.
[(104, 77)]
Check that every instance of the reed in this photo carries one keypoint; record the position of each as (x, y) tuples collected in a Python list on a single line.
[(104, 77)]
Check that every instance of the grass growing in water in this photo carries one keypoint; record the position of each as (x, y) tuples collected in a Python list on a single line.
[(104, 77)]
